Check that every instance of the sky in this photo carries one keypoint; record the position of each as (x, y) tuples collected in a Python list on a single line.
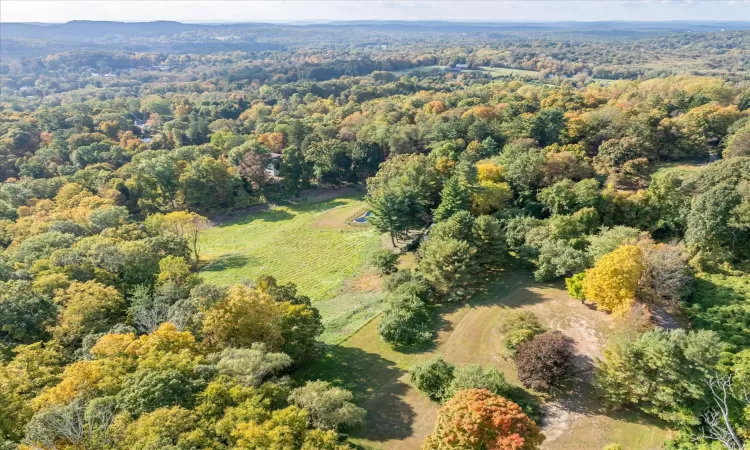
[(333, 10)]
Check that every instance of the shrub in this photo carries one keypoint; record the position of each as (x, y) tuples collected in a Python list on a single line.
[(575, 286), (544, 360), (475, 376), (477, 418), (384, 261), (519, 327), (405, 323), (329, 407), (433, 377)]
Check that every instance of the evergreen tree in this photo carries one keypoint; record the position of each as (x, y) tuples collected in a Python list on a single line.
[(490, 241), (448, 264), (454, 198), (395, 208)]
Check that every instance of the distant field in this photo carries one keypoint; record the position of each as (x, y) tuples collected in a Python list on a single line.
[(309, 244), (505, 72), (400, 417), (493, 71), (418, 69)]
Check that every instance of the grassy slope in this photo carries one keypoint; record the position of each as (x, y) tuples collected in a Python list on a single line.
[(298, 243), (309, 244), (399, 417)]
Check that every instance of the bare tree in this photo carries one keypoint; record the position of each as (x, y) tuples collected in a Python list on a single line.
[(717, 424), (149, 312), (252, 168), (75, 424)]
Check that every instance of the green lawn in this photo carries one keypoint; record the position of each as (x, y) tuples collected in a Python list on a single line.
[(309, 244)]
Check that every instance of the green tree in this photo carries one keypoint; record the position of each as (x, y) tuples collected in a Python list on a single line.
[(454, 198), (449, 265), (208, 183), (251, 366), (558, 258), (329, 408), (433, 377), (25, 314), (395, 209), (406, 322), (559, 198), (608, 239), (489, 237), (661, 372), (384, 261), (149, 389), (708, 222)]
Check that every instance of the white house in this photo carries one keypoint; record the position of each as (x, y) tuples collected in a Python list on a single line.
[(272, 169)]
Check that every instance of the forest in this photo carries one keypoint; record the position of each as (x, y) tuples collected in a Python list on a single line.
[(612, 180)]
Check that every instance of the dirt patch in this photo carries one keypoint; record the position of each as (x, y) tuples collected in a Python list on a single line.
[(367, 282)]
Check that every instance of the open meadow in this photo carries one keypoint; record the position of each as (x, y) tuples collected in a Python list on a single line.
[(309, 243)]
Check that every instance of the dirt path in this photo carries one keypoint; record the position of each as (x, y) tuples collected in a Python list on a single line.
[(470, 334)]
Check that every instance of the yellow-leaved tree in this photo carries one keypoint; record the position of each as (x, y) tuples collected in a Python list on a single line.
[(612, 282)]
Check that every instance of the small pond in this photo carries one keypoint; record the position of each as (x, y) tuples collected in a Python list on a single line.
[(363, 218)]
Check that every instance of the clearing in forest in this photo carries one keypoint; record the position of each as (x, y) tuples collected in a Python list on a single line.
[(309, 243), (400, 417)]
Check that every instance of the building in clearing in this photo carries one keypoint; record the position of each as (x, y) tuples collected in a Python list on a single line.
[(274, 165)]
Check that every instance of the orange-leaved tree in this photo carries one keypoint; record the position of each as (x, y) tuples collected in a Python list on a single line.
[(478, 419)]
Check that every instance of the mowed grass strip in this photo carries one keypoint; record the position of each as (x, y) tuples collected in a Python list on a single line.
[(308, 244)]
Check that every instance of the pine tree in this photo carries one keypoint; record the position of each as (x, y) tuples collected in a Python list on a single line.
[(490, 241), (394, 210), (448, 264), (454, 198)]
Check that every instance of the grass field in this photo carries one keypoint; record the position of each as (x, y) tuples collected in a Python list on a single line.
[(399, 417), (681, 169), (505, 72), (308, 243), (493, 71)]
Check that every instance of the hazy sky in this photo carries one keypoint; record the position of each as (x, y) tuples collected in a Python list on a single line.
[(287, 10)]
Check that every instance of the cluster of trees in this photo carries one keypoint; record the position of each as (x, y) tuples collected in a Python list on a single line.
[(205, 370), (108, 338), (480, 408)]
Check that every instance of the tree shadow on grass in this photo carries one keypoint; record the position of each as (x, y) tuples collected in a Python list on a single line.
[(376, 385), (267, 215), (230, 261)]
